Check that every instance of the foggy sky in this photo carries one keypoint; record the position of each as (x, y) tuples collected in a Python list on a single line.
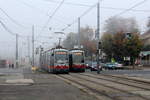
[(36, 12)]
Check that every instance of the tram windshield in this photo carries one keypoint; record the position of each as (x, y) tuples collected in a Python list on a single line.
[(78, 57), (61, 56)]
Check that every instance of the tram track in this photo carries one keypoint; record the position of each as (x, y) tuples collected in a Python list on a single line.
[(111, 93), (121, 80), (122, 91), (127, 78), (101, 95), (84, 88)]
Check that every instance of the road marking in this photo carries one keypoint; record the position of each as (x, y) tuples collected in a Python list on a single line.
[(6, 84), (19, 81)]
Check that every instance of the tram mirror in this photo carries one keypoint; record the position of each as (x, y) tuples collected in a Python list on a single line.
[(82, 61)]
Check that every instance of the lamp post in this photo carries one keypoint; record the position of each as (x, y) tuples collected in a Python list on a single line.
[(59, 43)]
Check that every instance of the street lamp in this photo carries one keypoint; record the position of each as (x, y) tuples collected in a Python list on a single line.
[(59, 37), (59, 32)]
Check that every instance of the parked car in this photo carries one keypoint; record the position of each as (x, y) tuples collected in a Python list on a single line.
[(119, 65), (110, 65), (94, 66), (88, 64)]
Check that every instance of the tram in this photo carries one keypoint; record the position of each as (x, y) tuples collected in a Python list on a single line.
[(55, 60), (76, 60)]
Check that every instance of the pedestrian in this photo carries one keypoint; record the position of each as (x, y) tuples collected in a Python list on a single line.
[(12, 65), (9, 65)]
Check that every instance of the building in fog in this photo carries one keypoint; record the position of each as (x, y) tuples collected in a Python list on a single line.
[(145, 55), (146, 38)]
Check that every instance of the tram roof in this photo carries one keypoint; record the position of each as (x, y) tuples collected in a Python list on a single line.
[(55, 49), (76, 50), (60, 49)]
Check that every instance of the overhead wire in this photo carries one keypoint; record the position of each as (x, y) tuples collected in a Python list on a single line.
[(84, 5), (10, 31), (33, 7), (70, 3), (5, 27), (51, 16), (134, 10), (125, 10), (14, 21), (78, 4), (138, 4), (109, 8), (26, 4), (131, 8), (87, 11)]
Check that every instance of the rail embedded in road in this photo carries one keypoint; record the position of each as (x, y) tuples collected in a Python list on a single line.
[(107, 88)]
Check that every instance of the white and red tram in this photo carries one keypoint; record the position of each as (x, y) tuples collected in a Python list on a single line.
[(76, 60), (55, 60)]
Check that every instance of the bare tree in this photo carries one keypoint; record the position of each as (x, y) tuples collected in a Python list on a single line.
[(70, 41), (86, 39)]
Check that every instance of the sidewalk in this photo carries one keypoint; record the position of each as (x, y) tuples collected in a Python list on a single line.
[(14, 76), (134, 67), (46, 87)]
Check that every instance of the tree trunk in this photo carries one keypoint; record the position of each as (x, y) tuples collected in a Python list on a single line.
[(133, 63)]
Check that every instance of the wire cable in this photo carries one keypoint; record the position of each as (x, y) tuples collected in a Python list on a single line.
[(14, 21), (50, 17), (125, 11), (109, 8), (70, 3), (8, 30), (134, 10), (87, 11)]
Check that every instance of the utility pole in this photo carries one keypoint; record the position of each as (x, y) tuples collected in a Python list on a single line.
[(59, 41), (98, 37), (79, 45), (33, 46), (28, 39), (17, 60)]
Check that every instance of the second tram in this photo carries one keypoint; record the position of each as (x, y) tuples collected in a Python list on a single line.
[(76, 60)]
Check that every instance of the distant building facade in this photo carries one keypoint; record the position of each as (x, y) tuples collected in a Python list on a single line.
[(145, 55)]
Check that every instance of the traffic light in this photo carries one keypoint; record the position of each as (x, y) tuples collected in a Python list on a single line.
[(42, 49), (99, 45)]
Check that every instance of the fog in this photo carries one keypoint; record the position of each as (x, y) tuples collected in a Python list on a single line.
[(20, 15)]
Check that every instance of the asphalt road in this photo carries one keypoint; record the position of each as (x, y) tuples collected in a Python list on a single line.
[(46, 87), (145, 73)]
